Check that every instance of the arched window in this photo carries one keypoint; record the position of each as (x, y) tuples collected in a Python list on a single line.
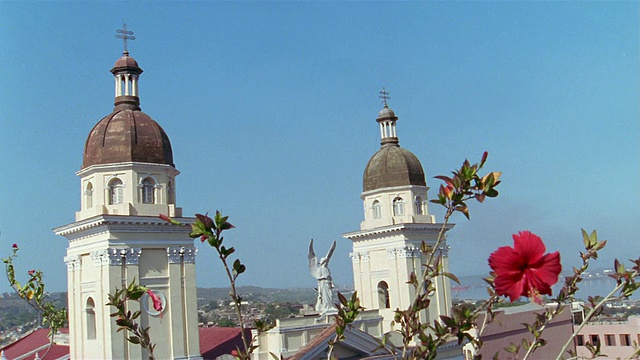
[(148, 191), (171, 192), (115, 191), (88, 196), (377, 214), (383, 295), (91, 319), (418, 205), (398, 206)]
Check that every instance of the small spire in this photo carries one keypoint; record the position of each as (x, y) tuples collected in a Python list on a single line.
[(125, 35), (384, 95)]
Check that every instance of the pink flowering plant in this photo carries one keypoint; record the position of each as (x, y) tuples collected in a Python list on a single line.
[(33, 292)]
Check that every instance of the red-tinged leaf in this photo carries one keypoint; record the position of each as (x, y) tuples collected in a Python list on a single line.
[(446, 179), (480, 197)]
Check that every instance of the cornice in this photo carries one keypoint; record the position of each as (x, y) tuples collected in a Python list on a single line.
[(393, 190), (126, 166), (101, 223), (390, 229)]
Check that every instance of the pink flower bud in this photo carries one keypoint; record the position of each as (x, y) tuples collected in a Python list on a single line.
[(157, 303)]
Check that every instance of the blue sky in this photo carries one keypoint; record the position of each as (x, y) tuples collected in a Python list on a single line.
[(271, 107)]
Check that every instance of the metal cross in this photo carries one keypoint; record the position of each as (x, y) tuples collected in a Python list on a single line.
[(125, 35), (384, 95)]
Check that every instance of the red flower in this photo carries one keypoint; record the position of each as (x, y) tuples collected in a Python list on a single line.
[(525, 270), (164, 217), (157, 303), (234, 353), (204, 238), (31, 272), (15, 246)]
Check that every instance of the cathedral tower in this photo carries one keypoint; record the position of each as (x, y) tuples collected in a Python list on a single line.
[(386, 249), (127, 179)]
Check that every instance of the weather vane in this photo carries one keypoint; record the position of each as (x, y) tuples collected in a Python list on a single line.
[(125, 35), (384, 95)]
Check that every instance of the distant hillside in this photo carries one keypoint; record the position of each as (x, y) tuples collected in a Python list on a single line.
[(258, 294)]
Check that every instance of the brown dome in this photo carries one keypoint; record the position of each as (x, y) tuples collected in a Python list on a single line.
[(126, 64), (392, 166), (127, 135)]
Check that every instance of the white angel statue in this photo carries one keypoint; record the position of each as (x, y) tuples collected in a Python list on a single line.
[(320, 271)]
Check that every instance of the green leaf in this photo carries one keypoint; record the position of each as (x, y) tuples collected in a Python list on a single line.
[(343, 300), (238, 267), (451, 276)]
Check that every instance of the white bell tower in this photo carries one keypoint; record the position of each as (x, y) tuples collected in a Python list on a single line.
[(128, 179), (386, 249)]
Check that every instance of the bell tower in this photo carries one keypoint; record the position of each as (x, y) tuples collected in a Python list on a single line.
[(127, 179), (386, 249)]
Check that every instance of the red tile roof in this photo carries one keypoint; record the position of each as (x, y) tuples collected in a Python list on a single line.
[(216, 341), (36, 342)]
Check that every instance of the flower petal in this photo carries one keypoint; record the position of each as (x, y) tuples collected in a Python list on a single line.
[(529, 246), (505, 260)]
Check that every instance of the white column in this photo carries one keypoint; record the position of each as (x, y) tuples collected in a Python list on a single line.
[(134, 85), (126, 84)]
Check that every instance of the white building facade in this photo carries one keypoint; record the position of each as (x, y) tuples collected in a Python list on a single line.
[(386, 249), (128, 179)]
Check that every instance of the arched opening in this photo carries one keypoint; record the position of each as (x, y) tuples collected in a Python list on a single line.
[(148, 191), (91, 319), (115, 191), (171, 193), (398, 206), (383, 295), (418, 206), (377, 214), (88, 196)]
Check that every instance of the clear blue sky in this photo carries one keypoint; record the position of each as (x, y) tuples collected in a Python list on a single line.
[(271, 110)]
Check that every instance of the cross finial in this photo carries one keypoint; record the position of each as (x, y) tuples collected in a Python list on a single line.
[(384, 95), (125, 35)]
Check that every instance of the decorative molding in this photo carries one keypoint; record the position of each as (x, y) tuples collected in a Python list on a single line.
[(133, 256), (176, 255), (100, 257), (391, 253), (358, 257), (189, 255), (408, 252), (73, 262), (116, 256), (443, 250)]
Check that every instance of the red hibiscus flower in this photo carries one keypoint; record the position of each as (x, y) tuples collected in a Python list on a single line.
[(157, 303), (525, 270)]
